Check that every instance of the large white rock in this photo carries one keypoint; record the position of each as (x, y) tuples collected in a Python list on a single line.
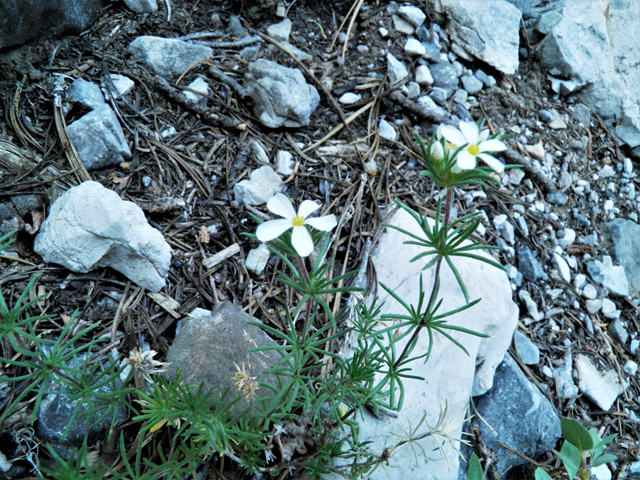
[(451, 376), (487, 30), (90, 226)]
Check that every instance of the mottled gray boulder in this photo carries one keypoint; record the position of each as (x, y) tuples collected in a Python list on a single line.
[(591, 52), (281, 96), (142, 6), (25, 20), (623, 240), (58, 411), (488, 30), (210, 349), (90, 227), (99, 139), (520, 414), (167, 56)]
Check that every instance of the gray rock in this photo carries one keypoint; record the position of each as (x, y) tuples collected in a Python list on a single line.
[(284, 163), (142, 6), (444, 75), (439, 95), (427, 103), (402, 26), (623, 241), (523, 5), (281, 95), (414, 15), (530, 268), (258, 153), (601, 388), (25, 20), (199, 85), (209, 348), (487, 30), (59, 410), (529, 353), (615, 280), (431, 51), (581, 113), (423, 76), (90, 227), (280, 31), (235, 27), (545, 115), (99, 139), (564, 374), (413, 90), (520, 414), (26, 204), (471, 84), (263, 184), (414, 48), (595, 270), (589, 292), (618, 331), (460, 96), (167, 56), (119, 86), (86, 94), (547, 21), (505, 228), (396, 69), (487, 80), (557, 198)]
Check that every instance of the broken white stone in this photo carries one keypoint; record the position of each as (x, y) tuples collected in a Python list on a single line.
[(414, 48), (285, 163), (349, 98), (201, 86), (402, 26), (387, 131), (450, 375), (257, 259), (263, 184), (414, 15), (397, 70), (90, 226), (423, 76), (536, 151), (602, 389), (120, 86), (562, 266)]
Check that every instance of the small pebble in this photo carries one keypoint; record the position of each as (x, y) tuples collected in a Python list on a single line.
[(557, 198), (349, 98)]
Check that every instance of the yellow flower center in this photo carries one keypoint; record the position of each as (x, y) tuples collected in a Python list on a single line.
[(473, 149), (298, 221)]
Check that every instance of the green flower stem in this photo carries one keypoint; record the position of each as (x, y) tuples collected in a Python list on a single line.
[(447, 215), (305, 274)]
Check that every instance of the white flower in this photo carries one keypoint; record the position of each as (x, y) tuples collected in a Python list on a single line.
[(300, 238), (476, 145)]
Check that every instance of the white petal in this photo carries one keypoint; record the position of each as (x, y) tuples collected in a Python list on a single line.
[(322, 223), (273, 229), (437, 152), (484, 134), (470, 132), (493, 162), (465, 160), (453, 135), (307, 208), (492, 146), (439, 131), (281, 205), (301, 241)]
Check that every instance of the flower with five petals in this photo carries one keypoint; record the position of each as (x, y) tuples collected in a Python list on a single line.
[(300, 237), (476, 145)]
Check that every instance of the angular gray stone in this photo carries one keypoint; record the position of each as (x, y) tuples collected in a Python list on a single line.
[(280, 31), (601, 388), (90, 227), (444, 75), (471, 84), (530, 268), (281, 95), (99, 139), (142, 6), (529, 353), (564, 373), (520, 414), (25, 20), (257, 259), (85, 93), (623, 242), (167, 56), (263, 184), (414, 15), (488, 30), (397, 70), (208, 348)]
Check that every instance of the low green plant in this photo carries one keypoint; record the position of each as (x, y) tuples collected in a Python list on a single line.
[(581, 450)]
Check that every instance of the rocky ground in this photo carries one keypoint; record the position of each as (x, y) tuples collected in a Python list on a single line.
[(552, 221)]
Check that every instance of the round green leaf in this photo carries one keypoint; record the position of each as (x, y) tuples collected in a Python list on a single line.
[(576, 434)]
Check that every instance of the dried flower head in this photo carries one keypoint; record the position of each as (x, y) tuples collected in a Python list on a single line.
[(203, 235), (144, 363), (244, 382)]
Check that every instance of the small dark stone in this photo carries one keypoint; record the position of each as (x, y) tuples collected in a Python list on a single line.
[(423, 34), (27, 203), (463, 113), (618, 331), (594, 269), (546, 116), (432, 51), (582, 220), (7, 211), (523, 52), (438, 95), (557, 198), (444, 75), (530, 268), (235, 27)]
